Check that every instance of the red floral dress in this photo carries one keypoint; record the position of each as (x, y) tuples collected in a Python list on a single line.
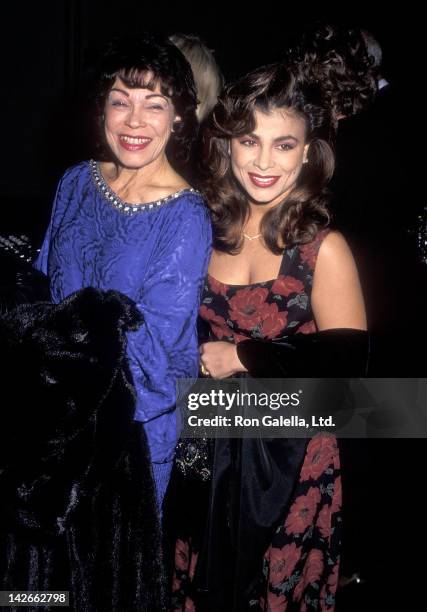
[(301, 564)]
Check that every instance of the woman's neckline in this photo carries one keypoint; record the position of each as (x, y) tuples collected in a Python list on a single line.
[(272, 280), (128, 208)]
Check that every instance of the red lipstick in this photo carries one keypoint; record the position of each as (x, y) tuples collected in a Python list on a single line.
[(134, 143), (260, 180)]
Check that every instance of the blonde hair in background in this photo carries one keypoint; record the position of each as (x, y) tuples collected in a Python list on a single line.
[(207, 75)]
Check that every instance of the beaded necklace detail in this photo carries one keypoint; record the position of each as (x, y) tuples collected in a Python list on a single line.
[(125, 207)]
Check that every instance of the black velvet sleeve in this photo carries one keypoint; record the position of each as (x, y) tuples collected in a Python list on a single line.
[(332, 352)]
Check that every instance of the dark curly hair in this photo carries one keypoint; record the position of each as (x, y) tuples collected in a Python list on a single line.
[(131, 59), (337, 58), (303, 212)]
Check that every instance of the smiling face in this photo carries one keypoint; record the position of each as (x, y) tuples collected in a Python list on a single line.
[(138, 124), (268, 161)]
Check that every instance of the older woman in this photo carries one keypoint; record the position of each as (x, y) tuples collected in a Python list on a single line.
[(130, 222), (282, 297)]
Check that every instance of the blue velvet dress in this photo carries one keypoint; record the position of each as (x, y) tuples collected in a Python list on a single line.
[(157, 254)]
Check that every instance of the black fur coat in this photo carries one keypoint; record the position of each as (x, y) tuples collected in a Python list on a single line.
[(77, 498)]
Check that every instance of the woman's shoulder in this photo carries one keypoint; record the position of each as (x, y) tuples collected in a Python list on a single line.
[(335, 256), (68, 185), (186, 218), (188, 202), (309, 251), (333, 244), (78, 169), (73, 175), (328, 245)]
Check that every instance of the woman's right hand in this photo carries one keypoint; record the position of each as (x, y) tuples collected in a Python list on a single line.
[(220, 359)]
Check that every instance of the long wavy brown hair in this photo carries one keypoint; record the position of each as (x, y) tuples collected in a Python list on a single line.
[(302, 213)]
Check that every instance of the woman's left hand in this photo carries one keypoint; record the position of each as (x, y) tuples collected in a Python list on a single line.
[(220, 359)]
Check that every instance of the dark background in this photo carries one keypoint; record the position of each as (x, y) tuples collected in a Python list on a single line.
[(46, 46)]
